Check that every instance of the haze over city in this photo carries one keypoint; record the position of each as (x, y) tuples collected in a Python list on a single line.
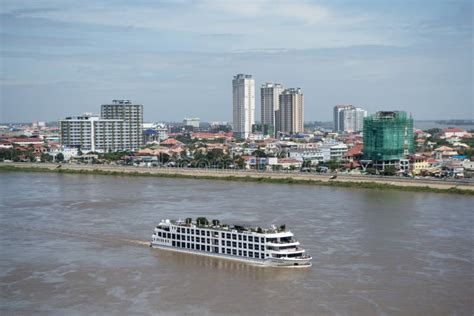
[(178, 57)]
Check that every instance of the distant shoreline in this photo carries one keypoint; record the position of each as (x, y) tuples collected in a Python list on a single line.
[(308, 179)]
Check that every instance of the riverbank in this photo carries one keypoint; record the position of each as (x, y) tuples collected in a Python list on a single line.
[(282, 178)]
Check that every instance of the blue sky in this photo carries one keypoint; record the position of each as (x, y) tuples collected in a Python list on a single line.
[(66, 57)]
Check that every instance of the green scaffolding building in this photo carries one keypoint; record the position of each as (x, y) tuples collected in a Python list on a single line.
[(388, 137)]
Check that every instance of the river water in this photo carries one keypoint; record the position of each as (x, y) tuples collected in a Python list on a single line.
[(70, 244)]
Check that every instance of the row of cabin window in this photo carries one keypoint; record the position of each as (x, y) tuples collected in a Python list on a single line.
[(228, 251), (216, 234), (227, 243)]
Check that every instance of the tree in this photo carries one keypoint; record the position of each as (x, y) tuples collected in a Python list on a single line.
[(215, 222), (46, 157), (259, 230), (390, 171), (333, 164), (239, 162), (59, 157), (282, 227), (189, 220), (371, 171), (259, 153), (163, 158)]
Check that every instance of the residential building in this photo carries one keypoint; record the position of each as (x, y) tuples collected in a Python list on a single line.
[(90, 133), (193, 122), (132, 116), (270, 102), (290, 116), (333, 151), (348, 119), (388, 137), (243, 105)]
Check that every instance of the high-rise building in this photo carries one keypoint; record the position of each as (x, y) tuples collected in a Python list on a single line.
[(290, 116), (132, 115), (348, 118), (388, 136), (243, 90), (270, 102)]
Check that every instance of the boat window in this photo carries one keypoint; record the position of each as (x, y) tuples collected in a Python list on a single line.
[(250, 238), (240, 252), (234, 252), (245, 238), (250, 254), (192, 231), (203, 232), (245, 253), (240, 245), (228, 243), (234, 244), (187, 231), (240, 237), (262, 239), (173, 236), (222, 242), (208, 233), (228, 236), (222, 235), (234, 236), (262, 247), (245, 246)]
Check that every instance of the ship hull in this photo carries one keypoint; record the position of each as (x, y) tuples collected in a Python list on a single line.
[(272, 262)]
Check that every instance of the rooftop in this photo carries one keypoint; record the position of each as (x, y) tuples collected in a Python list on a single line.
[(215, 225)]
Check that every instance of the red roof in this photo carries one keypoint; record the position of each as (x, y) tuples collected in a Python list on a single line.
[(24, 140), (355, 151), (171, 142), (453, 130)]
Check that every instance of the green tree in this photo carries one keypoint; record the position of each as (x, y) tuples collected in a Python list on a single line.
[(59, 157), (333, 164), (46, 157), (259, 153), (371, 171), (390, 171)]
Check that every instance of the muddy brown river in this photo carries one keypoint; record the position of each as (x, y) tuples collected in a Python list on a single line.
[(76, 244)]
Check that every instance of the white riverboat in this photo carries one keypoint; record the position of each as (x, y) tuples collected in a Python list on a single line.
[(268, 247)]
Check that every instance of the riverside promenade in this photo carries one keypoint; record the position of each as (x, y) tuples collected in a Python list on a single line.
[(250, 175)]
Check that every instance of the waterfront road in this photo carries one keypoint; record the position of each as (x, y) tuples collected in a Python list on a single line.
[(465, 184)]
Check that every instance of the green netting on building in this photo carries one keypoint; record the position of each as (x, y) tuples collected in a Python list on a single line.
[(388, 136)]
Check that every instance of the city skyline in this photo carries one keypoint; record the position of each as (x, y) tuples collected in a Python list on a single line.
[(62, 56)]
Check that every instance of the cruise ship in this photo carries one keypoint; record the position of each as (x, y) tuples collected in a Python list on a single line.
[(275, 246)]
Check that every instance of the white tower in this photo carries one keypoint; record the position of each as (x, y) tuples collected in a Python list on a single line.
[(243, 105)]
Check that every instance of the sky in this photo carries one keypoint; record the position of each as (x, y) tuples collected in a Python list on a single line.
[(178, 57)]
